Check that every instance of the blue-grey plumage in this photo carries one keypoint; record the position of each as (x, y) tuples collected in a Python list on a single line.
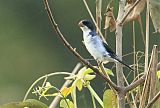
[(95, 46)]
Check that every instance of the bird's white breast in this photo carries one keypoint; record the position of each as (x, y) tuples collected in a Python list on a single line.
[(95, 47)]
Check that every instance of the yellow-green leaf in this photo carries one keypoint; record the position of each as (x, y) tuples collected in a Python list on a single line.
[(89, 77), (108, 71), (88, 71), (158, 74), (66, 103), (79, 84), (65, 91), (83, 71), (109, 99), (54, 94)]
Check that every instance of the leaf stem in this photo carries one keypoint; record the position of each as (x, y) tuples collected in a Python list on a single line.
[(95, 95), (74, 97), (35, 82), (93, 101)]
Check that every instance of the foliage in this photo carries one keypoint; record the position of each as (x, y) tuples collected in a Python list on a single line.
[(80, 80)]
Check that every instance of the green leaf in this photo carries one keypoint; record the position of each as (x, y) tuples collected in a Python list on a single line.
[(109, 71), (158, 74), (88, 71), (109, 99), (83, 71), (66, 103), (29, 103), (154, 7)]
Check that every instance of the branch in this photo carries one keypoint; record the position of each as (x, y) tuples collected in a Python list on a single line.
[(153, 100), (71, 49), (119, 68), (98, 13), (135, 84)]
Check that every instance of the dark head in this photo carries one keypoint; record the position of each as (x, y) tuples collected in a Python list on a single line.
[(86, 23)]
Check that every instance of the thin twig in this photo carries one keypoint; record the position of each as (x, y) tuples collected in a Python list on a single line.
[(72, 50), (153, 100), (141, 28), (132, 95), (142, 78), (98, 13), (126, 15), (147, 39), (145, 89), (103, 71), (134, 47)]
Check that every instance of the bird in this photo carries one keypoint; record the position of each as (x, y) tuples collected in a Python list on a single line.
[(99, 49)]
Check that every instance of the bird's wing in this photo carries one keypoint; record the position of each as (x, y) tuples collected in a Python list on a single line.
[(113, 55), (109, 50)]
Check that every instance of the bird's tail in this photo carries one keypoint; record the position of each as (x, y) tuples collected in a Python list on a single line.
[(124, 64)]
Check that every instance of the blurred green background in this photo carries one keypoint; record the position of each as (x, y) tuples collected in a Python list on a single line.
[(29, 47)]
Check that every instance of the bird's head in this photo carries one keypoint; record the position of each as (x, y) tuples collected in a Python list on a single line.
[(86, 25)]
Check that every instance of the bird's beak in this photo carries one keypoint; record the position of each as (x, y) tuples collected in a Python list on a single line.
[(80, 24)]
